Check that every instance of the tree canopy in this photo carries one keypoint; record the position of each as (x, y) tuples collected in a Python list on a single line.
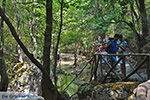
[(45, 28)]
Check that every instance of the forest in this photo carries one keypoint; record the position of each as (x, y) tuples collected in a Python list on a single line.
[(51, 48)]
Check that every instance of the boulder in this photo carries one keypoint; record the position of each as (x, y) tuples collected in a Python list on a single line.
[(143, 91)]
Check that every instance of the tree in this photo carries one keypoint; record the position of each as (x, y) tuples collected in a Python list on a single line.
[(49, 92), (58, 40), (19, 30), (4, 77)]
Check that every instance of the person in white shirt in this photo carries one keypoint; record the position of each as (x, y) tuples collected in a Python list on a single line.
[(122, 45)]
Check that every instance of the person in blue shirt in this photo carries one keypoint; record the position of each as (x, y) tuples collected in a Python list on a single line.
[(112, 48)]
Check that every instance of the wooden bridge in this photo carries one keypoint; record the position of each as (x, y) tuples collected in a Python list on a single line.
[(142, 59)]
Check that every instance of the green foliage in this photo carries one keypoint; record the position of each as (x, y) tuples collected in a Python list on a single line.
[(83, 22), (63, 82), (11, 51)]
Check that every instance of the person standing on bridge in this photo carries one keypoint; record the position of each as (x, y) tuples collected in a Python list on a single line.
[(111, 48), (122, 45)]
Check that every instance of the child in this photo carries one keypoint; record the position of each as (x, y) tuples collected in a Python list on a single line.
[(102, 51)]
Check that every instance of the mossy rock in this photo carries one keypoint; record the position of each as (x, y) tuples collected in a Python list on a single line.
[(109, 91), (86, 90)]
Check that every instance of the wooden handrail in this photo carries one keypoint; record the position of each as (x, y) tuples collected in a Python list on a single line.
[(126, 54)]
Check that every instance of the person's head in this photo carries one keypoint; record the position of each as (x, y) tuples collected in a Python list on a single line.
[(120, 37), (116, 37)]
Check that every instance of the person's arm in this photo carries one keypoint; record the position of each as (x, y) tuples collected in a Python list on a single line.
[(109, 43), (124, 47)]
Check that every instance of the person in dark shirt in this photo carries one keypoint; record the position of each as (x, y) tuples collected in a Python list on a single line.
[(112, 48)]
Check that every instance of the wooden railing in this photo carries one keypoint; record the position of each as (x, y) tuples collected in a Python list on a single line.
[(142, 59), (96, 62)]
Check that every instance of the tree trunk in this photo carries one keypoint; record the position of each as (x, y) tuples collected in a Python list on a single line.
[(31, 27), (144, 23), (34, 41), (56, 56), (143, 16), (4, 77), (48, 89), (47, 93), (75, 56), (19, 31)]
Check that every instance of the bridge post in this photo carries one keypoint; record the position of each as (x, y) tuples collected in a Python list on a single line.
[(95, 68), (123, 67), (101, 69), (96, 59), (92, 70)]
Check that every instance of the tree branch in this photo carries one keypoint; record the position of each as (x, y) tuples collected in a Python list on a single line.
[(14, 33)]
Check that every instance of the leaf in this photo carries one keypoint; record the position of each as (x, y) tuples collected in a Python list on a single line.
[(11, 51), (104, 28), (4, 58)]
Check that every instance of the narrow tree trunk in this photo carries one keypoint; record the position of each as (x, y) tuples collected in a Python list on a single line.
[(19, 31), (31, 27), (31, 34), (75, 56), (20, 37), (34, 41), (57, 44), (4, 77)]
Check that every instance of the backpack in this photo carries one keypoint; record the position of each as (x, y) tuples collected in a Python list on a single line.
[(109, 49)]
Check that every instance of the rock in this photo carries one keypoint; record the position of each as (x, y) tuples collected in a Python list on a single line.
[(85, 90), (109, 91), (143, 91), (75, 97)]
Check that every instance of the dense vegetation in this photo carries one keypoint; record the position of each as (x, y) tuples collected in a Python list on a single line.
[(35, 32)]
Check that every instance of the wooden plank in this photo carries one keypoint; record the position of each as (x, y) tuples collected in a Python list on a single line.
[(114, 65), (127, 54), (101, 70), (92, 69), (96, 66), (136, 69), (111, 67), (123, 67)]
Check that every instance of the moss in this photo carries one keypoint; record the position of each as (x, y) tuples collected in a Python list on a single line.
[(86, 89), (117, 90), (130, 85)]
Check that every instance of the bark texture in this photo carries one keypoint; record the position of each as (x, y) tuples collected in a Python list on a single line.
[(4, 77)]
